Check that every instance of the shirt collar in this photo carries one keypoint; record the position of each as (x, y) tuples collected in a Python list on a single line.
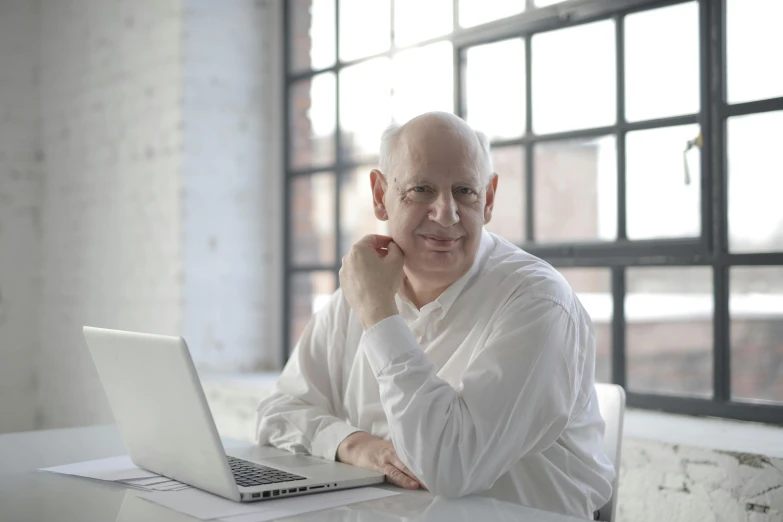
[(450, 295)]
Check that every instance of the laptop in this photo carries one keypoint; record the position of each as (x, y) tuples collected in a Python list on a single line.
[(165, 422)]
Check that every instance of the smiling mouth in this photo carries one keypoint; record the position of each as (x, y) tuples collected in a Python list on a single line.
[(440, 242)]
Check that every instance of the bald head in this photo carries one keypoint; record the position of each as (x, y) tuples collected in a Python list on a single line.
[(435, 138)]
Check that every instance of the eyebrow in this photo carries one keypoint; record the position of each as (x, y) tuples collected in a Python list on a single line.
[(415, 180)]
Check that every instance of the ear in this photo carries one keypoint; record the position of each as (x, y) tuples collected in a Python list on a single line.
[(492, 188), (378, 185)]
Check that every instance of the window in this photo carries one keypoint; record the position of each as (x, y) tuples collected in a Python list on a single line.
[(637, 144)]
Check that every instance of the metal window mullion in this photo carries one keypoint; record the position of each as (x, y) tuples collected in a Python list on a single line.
[(622, 200), (618, 326), (310, 171), (594, 132), (620, 136), (460, 105), (303, 269), (716, 142), (745, 411), (714, 23), (619, 344), (755, 107), (310, 74), (721, 318), (529, 147), (706, 123), (657, 123), (754, 258)]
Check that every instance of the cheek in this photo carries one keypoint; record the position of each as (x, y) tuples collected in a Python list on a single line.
[(472, 215), (409, 217)]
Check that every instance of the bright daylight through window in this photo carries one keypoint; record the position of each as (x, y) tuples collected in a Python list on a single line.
[(638, 149)]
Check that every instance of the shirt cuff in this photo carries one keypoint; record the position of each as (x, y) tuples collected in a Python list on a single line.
[(387, 340), (326, 441)]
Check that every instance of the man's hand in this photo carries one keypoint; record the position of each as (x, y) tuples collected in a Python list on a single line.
[(365, 451), (370, 277)]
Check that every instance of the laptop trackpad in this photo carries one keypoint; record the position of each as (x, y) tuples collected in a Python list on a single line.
[(293, 461)]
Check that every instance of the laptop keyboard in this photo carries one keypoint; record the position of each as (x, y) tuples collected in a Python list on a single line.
[(250, 474)]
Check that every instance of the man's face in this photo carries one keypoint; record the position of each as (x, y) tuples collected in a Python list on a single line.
[(437, 200)]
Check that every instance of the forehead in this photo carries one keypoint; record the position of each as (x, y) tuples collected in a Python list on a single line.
[(452, 155)]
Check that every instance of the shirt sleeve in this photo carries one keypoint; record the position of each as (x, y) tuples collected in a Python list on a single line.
[(514, 399), (302, 415)]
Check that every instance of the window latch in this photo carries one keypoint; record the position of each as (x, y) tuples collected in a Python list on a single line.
[(695, 142)]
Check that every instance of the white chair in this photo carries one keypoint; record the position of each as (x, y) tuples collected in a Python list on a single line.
[(611, 402)]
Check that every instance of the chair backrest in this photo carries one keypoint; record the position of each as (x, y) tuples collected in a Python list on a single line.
[(611, 402)]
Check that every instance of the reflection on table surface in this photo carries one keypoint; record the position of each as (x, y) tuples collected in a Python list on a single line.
[(409, 506)]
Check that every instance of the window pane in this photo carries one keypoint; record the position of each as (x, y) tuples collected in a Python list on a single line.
[(756, 309), (312, 219), (365, 28), (753, 46), (662, 73), (415, 20), (593, 286), (574, 78), (310, 291), (755, 177), (357, 218), (660, 204), (423, 81), (508, 214), (476, 12), (313, 121), (312, 34), (365, 106), (576, 190), (495, 88), (669, 334)]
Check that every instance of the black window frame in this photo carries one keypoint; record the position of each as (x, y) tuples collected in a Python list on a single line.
[(709, 250)]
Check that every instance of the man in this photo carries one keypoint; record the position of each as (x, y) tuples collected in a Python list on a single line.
[(449, 359)]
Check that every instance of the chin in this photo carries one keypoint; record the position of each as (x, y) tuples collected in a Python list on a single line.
[(441, 262)]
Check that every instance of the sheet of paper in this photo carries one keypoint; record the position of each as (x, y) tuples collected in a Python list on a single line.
[(203, 505), (122, 470), (152, 481), (113, 468)]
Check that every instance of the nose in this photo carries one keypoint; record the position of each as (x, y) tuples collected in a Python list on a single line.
[(444, 210)]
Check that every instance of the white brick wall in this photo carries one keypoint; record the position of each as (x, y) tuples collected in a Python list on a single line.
[(160, 201), (158, 205), (20, 225), (675, 483), (231, 191), (110, 99)]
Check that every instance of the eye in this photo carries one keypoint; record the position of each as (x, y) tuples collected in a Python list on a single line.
[(465, 191), (419, 189)]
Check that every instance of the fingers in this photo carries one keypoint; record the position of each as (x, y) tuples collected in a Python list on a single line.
[(398, 478), (394, 251), (396, 462), (374, 241)]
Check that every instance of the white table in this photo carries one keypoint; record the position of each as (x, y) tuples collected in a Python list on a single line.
[(29, 495)]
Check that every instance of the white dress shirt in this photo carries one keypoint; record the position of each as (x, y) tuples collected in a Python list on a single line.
[(488, 389)]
